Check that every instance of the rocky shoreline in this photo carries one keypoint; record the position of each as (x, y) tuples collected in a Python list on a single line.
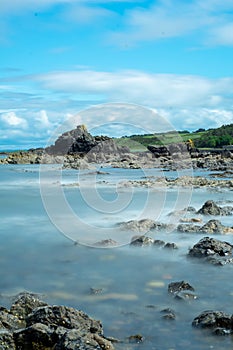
[(78, 149), (32, 324)]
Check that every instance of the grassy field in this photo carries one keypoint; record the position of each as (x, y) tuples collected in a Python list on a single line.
[(140, 142)]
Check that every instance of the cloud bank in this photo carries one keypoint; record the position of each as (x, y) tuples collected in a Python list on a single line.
[(185, 101)]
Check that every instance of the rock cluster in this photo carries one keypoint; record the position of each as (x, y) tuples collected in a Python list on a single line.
[(32, 324), (211, 227), (75, 144), (145, 241), (145, 225)]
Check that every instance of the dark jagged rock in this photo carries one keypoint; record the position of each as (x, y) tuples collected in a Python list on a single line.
[(29, 325), (80, 141), (77, 140), (176, 287), (213, 251), (182, 290), (24, 304), (219, 322), (6, 340), (211, 208)]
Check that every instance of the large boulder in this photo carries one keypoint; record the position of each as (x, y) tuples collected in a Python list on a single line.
[(219, 322), (211, 208), (31, 324), (212, 250)]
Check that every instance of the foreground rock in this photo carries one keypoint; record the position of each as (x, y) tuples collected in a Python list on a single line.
[(213, 251), (219, 322), (35, 325)]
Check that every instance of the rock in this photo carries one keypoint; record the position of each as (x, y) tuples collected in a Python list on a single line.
[(137, 338), (24, 304), (219, 322), (6, 341), (176, 287), (187, 228), (106, 243), (211, 208), (144, 225), (142, 241), (168, 314), (170, 246), (48, 327), (182, 290), (212, 250), (159, 243), (213, 226)]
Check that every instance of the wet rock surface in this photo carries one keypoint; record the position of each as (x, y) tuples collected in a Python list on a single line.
[(35, 325), (182, 290), (145, 241), (212, 250), (211, 208), (211, 227), (219, 322), (145, 225)]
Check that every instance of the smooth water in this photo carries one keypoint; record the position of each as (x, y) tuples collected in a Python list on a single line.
[(36, 257)]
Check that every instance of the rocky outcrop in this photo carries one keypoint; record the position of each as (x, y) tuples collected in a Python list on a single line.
[(145, 241), (35, 325), (144, 225), (213, 251), (220, 323), (211, 208), (211, 227)]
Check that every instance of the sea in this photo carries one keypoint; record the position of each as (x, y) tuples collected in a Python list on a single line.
[(61, 238)]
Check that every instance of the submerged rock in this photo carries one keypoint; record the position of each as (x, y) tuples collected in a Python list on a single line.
[(35, 325), (219, 322)]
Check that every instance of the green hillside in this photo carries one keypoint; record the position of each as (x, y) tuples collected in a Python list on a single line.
[(201, 138)]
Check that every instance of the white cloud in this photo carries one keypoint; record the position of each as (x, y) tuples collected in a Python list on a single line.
[(155, 90), (42, 120), (222, 35), (11, 119), (170, 19)]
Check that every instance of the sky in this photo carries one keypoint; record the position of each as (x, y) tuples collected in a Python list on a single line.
[(62, 59)]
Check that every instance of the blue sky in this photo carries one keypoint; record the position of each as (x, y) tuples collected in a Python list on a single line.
[(60, 57)]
